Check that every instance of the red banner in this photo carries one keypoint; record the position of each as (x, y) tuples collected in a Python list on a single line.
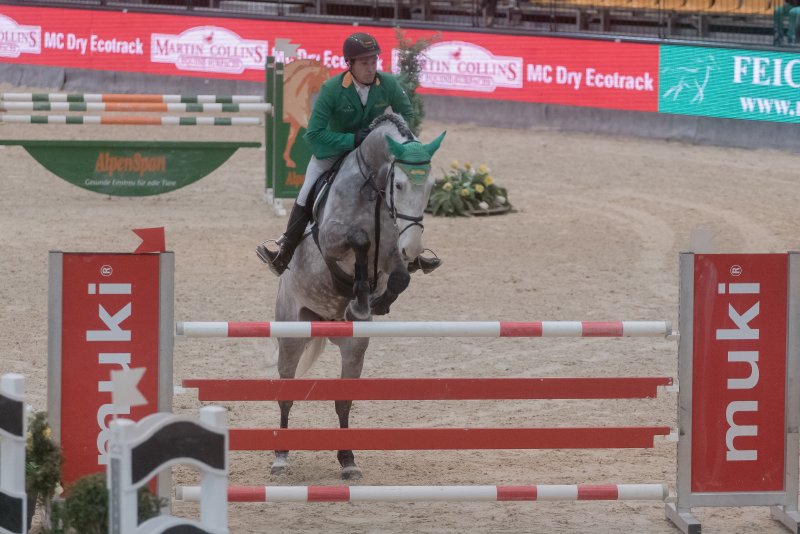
[(110, 321), (739, 372), (474, 65)]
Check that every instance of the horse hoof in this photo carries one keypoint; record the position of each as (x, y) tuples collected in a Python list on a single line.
[(280, 465), (278, 469), (351, 472), (352, 313)]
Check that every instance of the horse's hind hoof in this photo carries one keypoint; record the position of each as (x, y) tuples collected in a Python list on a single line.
[(351, 472), (280, 465), (278, 469)]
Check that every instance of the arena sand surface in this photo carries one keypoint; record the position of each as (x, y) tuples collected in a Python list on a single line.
[(596, 235)]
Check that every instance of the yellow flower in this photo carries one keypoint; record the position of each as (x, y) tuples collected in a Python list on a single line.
[(465, 192), (488, 180), (47, 432), (454, 164), (478, 188), (467, 166), (447, 186), (483, 169)]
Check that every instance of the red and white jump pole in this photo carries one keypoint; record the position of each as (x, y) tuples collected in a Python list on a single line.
[(426, 329), (569, 492)]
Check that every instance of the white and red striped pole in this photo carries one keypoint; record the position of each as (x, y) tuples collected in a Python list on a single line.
[(426, 329), (540, 492)]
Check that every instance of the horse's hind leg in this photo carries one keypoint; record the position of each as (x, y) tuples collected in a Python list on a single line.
[(352, 350), (281, 461), (290, 350)]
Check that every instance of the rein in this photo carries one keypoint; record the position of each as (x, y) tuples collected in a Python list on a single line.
[(378, 195), (343, 283)]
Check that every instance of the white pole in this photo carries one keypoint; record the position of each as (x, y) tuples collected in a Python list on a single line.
[(12, 451), (214, 486)]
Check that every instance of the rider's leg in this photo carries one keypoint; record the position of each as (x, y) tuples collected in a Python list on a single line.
[(279, 260)]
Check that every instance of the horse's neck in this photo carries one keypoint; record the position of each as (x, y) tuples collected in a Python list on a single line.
[(375, 153)]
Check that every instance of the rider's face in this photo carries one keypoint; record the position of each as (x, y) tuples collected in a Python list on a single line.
[(364, 69)]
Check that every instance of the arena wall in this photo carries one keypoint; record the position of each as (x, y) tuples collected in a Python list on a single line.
[(520, 115)]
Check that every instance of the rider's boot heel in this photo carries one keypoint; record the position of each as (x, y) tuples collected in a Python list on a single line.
[(278, 261)]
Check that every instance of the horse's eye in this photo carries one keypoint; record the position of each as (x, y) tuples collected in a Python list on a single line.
[(398, 186)]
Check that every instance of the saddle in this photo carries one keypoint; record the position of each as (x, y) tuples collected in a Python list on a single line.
[(318, 193)]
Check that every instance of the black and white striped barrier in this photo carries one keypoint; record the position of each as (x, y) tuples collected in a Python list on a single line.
[(138, 451), (13, 501)]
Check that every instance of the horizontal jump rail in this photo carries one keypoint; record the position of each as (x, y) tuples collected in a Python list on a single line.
[(394, 439), (539, 492), (426, 329), (130, 120), (116, 97), (135, 106), (426, 388)]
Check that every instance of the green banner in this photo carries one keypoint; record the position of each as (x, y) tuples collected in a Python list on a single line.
[(291, 164), (734, 84), (130, 168)]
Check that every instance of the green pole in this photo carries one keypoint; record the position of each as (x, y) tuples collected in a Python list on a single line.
[(269, 146), (278, 124)]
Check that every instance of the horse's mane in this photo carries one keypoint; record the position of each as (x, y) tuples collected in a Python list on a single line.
[(397, 121)]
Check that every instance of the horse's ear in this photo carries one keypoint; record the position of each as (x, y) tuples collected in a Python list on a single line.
[(395, 147), (433, 146)]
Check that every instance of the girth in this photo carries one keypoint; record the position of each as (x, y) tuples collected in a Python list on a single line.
[(342, 282)]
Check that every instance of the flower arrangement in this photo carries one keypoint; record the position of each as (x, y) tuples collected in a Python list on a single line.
[(466, 190)]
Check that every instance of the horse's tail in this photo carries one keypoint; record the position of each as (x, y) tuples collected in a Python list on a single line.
[(310, 356)]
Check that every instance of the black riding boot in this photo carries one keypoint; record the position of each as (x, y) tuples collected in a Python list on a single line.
[(428, 265), (279, 260)]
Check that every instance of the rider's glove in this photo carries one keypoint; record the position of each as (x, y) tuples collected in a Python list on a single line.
[(361, 135)]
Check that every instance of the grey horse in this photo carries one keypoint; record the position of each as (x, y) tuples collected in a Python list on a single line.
[(368, 228)]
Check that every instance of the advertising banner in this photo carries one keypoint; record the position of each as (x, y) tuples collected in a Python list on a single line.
[(739, 373), (502, 67), (130, 168), (734, 84), (109, 320)]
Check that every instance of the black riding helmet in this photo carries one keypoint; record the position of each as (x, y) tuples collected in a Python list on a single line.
[(360, 45)]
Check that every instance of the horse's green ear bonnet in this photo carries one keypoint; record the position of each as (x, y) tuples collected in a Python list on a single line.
[(414, 158)]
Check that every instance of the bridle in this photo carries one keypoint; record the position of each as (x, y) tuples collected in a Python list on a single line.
[(376, 194), (369, 179)]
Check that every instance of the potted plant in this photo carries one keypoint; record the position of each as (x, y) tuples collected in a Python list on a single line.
[(43, 460)]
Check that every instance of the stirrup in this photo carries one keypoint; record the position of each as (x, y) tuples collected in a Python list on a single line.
[(263, 252)]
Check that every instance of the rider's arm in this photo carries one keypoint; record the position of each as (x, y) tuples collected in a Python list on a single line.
[(324, 142)]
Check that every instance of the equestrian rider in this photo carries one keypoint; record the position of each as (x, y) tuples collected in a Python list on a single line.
[(346, 105)]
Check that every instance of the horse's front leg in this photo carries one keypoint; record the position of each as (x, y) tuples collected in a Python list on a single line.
[(353, 350), (397, 283), (358, 309), (336, 240)]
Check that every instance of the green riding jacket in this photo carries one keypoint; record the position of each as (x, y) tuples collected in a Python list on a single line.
[(338, 112)]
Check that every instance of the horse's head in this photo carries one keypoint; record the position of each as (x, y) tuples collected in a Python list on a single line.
[(408, 189)]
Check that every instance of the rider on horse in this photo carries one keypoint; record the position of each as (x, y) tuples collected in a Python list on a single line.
[(345, 107)]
